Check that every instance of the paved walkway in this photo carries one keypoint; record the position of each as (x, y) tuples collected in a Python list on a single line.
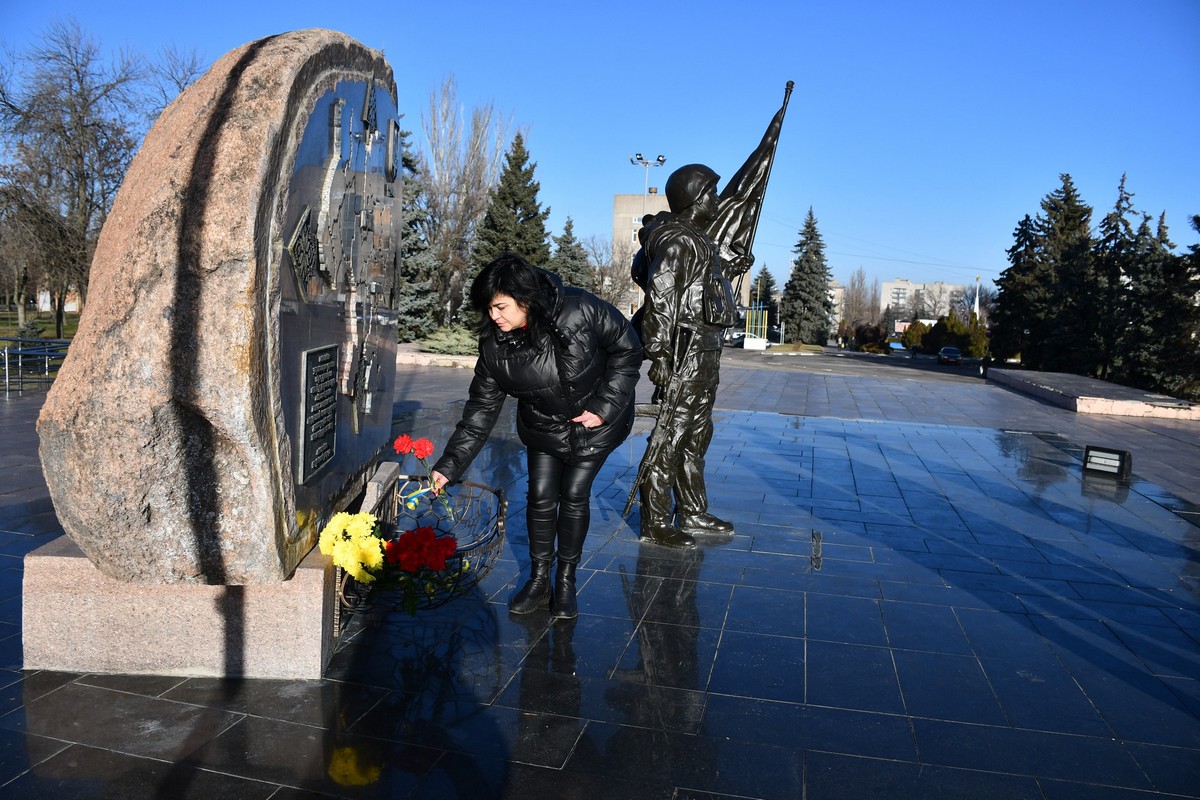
[(925, 597)]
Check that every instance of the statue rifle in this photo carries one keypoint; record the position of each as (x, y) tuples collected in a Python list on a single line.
[(662, 422), (658, 438)]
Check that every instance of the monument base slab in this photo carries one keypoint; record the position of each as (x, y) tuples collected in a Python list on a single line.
[(76, 619)]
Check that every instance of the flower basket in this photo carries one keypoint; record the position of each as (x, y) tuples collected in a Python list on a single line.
[(414, 524)]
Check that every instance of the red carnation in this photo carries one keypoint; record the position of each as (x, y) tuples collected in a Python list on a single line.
[(403, 444), (422, 449), (420, 549)]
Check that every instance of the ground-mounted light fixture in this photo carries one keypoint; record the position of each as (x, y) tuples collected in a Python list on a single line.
[(1104, 461)]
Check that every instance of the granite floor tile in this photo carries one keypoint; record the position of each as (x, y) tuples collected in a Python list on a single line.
[(1079, 759), (851, 676), (757, 610), (835, 730), (930, 628), (852, 620), (85, 772), (947, 687), (126, 723), (759, 666), (830, 776)]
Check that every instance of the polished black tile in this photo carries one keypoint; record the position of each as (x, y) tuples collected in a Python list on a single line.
[(1171, 769), (930, 628), (759, 666), (775, 611), (836, 730), (852, 676), (1050, 755), (664, 759), (948, 687), (92, 772), (829, 776), (20, 752), (852, 620), (320, 703), (148, 685), (128, 723), (325, 760), (27, 687)]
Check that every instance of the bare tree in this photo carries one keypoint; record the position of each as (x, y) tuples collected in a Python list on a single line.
[(170, 75), (16, 249), (967, 304), (460, 168), (69, 126), (610, 271), (860, 303), (936, 300)]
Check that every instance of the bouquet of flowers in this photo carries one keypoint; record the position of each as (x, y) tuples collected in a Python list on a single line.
[(422, 449), (430, 552), (415, 562)]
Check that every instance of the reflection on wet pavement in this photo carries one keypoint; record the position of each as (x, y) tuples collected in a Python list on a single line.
[(904, 610)]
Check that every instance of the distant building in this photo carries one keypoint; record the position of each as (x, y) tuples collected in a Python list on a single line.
[(628, 210), (923, 300)]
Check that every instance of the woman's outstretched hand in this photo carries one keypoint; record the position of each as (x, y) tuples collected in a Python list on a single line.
[(588, 420), (436, 481)]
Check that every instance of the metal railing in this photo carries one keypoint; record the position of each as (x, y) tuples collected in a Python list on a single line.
[(31, 364)]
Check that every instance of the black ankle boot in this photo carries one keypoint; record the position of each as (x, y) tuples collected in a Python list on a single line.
[(535, 592), (564, 605)]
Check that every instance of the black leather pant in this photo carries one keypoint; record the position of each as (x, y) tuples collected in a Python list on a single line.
[(560, 497)]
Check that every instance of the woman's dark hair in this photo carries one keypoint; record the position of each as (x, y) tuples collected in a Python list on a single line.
[(514, 276)]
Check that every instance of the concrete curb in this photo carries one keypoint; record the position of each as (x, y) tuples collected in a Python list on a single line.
[(1091, 396)]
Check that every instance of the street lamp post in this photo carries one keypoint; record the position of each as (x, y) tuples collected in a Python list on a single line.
[(637, 160)]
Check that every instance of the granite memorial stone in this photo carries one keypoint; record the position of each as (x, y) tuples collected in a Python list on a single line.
[(230, 385)]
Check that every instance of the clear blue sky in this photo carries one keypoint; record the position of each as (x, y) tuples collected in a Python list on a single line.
[(920, 132)]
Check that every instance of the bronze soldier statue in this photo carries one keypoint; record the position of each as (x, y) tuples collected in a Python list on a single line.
[(687, 258)]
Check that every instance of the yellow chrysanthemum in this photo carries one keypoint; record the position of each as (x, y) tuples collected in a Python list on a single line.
[(332, 532), (360, 525), (370, 552)]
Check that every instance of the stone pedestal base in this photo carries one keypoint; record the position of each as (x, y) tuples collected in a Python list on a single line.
[(75, 619)]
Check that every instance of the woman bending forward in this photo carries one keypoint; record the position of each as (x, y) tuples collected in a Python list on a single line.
[(572, 362)]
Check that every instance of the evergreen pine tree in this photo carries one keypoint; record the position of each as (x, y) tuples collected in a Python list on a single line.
[(414, 297), (570, 260), (806, 307), (888, 322), (1020, 318), (1112, 258), (1159, 349), (763, 295), (514, 221), (1072, 340)]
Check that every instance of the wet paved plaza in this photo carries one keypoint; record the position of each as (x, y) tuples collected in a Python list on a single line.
[(924, 597)]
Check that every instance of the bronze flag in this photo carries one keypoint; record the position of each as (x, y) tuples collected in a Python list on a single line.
[(740, 201)]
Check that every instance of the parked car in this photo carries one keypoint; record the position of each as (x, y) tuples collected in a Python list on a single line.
[(949, 355)]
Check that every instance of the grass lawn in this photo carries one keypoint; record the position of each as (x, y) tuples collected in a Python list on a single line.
[(45, 319)]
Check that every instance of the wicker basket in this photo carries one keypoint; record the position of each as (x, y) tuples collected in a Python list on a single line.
[(475, 515)]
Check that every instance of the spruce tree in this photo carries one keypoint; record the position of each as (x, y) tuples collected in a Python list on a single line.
[(1021, 318), (806, 307), (413, 294), (514, 221), (1159, 348), (1072, 340), (570, 260), (763, 294), (1113, 257)]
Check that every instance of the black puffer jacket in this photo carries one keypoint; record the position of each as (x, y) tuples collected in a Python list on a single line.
[(599, 355)]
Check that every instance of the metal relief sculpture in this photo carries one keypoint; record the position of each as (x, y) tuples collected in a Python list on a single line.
[(689, 255)]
